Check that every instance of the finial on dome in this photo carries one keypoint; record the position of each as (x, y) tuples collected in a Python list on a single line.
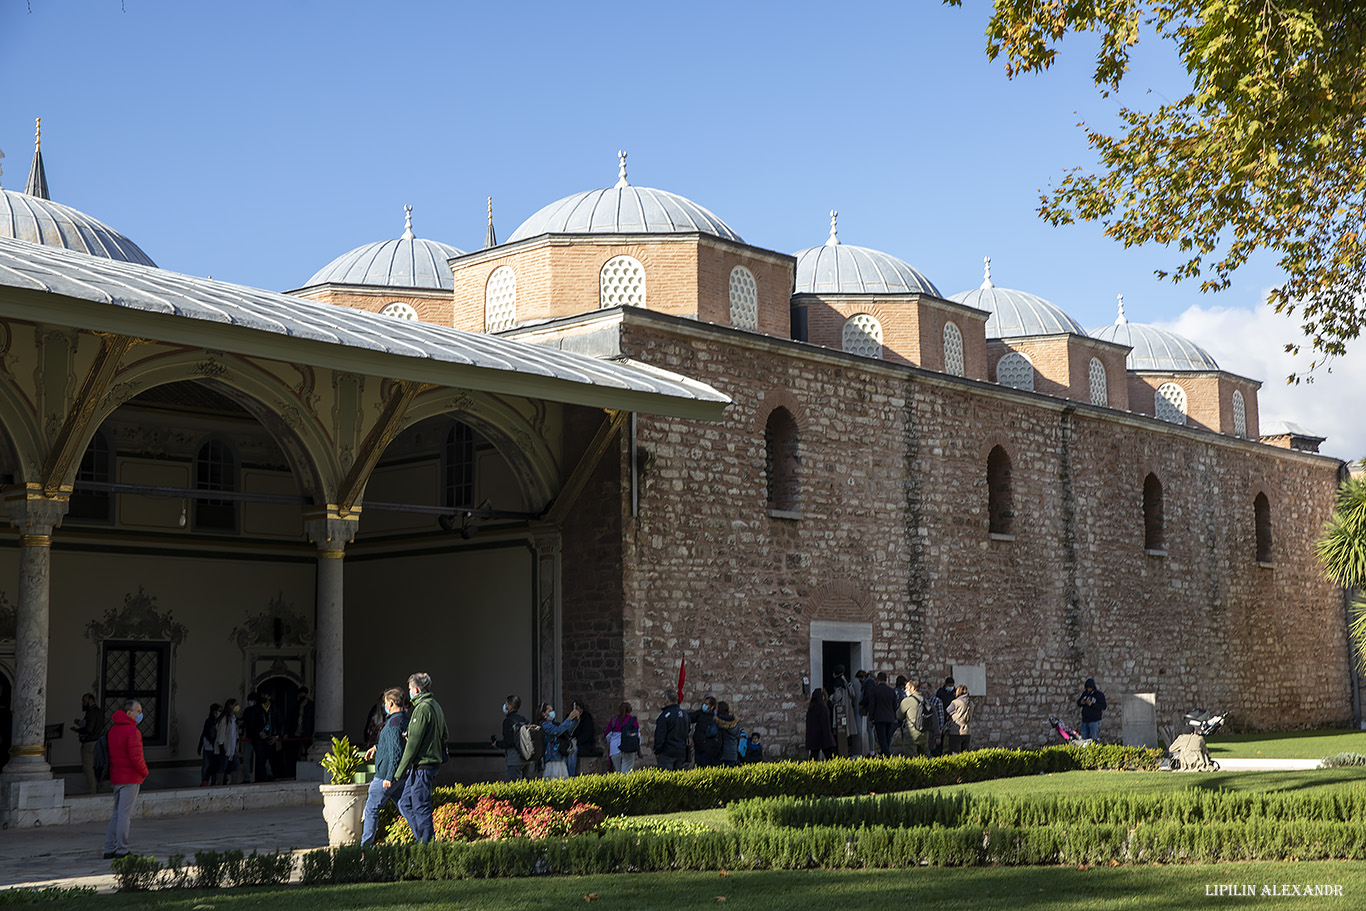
[(408, 223), (490, 236), (37, 175), (833, 240), (38, 131), (621, 171), (986, 273), (1122, 319)]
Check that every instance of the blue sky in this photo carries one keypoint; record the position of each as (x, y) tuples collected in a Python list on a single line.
[(256, 141)]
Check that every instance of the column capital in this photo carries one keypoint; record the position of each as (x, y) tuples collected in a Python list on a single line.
[(34, 513), (329, 530)]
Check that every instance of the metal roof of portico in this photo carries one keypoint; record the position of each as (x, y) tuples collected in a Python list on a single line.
[(60, 287)]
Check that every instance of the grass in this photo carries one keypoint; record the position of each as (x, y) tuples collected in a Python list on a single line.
[(1296, 745), (1154, 888)]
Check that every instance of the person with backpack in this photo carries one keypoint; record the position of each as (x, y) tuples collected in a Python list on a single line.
[(518, 765), (623, 739), (671, 735), (820, 737), (557, 740), (422, 757), (706, 733), (386, 754), (913, 713), (207, 736), (127, 772)]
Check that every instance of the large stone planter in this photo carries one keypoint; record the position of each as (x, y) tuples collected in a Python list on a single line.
[(344, 811)]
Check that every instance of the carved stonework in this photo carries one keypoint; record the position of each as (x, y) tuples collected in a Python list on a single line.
[(9, 619), (462, 403), (137, 619), (279, 625), (120, 393)]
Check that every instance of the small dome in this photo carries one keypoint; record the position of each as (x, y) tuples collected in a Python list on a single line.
[(623, 209), (407, 262), (1156, 349), (42, 221), (1016, 313), (846, 269)]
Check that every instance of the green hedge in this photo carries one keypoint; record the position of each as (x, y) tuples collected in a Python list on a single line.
[(836, 848), (652, 791), (1191, 806)]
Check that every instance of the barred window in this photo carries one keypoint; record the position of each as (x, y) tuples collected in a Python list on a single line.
[(399, 310), (1100, 393), (1169, 403), (215, 469), (97, 465), (459, 465), (744, 299), (500, 300), (1015, 370), (953, 349), (622, 283), (863, 335), (1239, 414), (138, 670)]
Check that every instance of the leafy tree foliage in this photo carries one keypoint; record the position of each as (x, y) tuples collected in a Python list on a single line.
[(1267, 151)]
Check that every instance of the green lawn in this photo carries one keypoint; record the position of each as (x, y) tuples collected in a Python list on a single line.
[(1297, 745), (973, 889)]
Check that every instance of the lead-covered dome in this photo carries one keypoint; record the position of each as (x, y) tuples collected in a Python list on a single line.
[(624, 209), (406, 262), (1017, 313), (1155, 349), (838, 268), (42, 221)]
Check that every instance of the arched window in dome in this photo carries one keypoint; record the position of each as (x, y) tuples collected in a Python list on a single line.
[(1000, 493), (953, 349), (862, 335), (622, 283), (500, 300), (1169, 403), (1015, 370), (744, 299), (1100, 391), (399, 310), (1154, 530), (97, 466), (1261, 515), (781, 461), (215, 469), (1239, 414)]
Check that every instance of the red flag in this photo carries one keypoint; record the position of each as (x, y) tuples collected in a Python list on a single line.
[(682, 674)]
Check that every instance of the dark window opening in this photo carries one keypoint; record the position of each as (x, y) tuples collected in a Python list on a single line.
[(1154, 535), (97, 465), (215, 469), (1000, 493), (459, 458), (781, 461), (141, 671), (1261, 508)]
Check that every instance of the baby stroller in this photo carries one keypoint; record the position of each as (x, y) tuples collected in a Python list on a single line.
[(1188, 752), (1068, 733)]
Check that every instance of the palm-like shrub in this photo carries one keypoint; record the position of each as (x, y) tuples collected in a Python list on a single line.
[(1342, 553)]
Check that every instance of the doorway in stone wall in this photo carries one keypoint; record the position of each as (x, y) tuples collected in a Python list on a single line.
[(837, 654), (284, 713), (834, 643)]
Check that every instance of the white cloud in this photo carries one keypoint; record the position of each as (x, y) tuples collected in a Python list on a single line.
[(1250, 342)]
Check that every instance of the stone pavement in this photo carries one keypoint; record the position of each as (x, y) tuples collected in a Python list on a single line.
[(73, 855)]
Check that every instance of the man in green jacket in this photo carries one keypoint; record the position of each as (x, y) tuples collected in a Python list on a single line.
[(422, 757)]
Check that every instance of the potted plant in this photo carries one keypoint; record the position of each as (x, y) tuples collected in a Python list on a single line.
[(344, 799)]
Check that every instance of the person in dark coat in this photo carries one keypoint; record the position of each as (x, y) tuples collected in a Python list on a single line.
[(207, 738), (820, 737), (256, 725), (586, 747), (385, 754), (88, 728), (729, 729), (1092, 705), (881, 703), (671, 735), (706, 733)]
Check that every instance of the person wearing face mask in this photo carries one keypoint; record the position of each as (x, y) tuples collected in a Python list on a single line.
[(557, 740), (422, 757), (706, 733), (127, 772), (517, 767), (386, 755)]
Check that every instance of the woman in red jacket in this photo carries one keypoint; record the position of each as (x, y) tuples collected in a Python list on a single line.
[(127, 772)]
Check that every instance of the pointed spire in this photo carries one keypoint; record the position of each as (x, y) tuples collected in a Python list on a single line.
[(833, 240), (986, 273), (37, 177), (408, 223), (621, 172), (490, 236), (1122, 319)]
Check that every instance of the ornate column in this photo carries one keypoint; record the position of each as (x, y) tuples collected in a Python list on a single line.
[(35, 516), (330, 531)]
